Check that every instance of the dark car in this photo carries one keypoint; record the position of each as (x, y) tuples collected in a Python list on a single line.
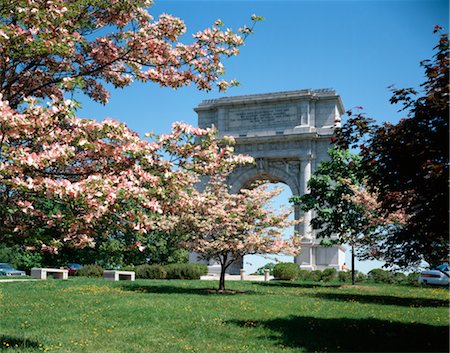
[(9, 270), (73, 268)]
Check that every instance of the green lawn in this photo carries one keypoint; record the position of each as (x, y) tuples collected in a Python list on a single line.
[(93, 315)]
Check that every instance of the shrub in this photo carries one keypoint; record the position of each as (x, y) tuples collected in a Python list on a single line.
[(185, 271), (328, 274), (150, 271), (382, 276), (315, 275), (286, 271), (345, 276), (303, 275), (360, 277), (269, 266), (379, 275), (398, 277), (90, 271), (412, 279)]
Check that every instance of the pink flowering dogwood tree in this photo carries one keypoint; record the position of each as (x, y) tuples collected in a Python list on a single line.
[(223, 226), (51, 47), (66, 181)]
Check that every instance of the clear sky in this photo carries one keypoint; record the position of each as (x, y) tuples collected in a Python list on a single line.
[(356, 47)]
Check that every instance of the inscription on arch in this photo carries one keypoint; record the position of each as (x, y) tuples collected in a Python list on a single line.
[(262, 118)]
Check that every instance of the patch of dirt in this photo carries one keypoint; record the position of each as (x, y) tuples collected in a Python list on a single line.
[(226, 291), (366, 288)]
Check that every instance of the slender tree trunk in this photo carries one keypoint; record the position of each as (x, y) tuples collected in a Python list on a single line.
[(353, 264), (223, 267)]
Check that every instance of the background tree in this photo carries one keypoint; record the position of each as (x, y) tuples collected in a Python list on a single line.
[(48, 48), (344, 211), (407, 163), (225, 227)]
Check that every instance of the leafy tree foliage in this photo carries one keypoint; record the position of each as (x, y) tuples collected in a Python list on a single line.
[(407, 163), (225, 227), (344, 211), (51, 47), (68, 183)]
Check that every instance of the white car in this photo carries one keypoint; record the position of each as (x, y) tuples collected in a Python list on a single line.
[(437, 276)]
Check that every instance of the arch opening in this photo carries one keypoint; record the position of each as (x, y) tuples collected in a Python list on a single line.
[(251, 263)]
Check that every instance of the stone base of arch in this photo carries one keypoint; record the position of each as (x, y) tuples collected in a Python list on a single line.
[(316, 257)]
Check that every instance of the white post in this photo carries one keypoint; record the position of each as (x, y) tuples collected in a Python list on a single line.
[(266, 274), (242, 274)]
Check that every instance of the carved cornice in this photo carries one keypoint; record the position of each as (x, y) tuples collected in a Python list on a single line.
[(245, 100)]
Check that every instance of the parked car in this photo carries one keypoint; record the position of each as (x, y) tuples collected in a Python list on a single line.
[(439, 275), (9, 270), (73, 268)]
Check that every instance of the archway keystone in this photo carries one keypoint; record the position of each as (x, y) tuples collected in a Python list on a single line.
[(288, 134)]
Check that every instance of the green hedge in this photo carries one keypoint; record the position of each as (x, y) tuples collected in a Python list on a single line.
[(90, 271), (185, 271), (286, 271), (150, 271)]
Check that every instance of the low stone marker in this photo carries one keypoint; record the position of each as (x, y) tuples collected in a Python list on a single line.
[(41, 273), (115, 275), (266, 274), (242, 272)]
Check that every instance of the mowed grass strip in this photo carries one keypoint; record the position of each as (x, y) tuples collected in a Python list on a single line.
[(93, 315)]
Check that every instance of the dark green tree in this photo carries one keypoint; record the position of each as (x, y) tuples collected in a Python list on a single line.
[(344, 212), (408, 164)]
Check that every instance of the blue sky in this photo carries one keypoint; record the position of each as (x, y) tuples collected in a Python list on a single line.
[(356, 47)]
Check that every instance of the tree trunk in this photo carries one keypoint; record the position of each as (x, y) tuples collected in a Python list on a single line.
[(223, 267)]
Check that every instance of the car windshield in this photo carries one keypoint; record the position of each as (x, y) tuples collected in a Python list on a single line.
[(6, 266), (443, 267)]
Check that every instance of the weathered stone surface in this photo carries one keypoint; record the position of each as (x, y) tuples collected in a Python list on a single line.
[(42, 273), (288, 134), (116, 275)]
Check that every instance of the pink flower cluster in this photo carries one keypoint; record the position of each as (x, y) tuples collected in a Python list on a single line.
[(73, 178), (48, 47)]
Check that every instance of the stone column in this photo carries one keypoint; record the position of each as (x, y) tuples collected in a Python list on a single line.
[(306, 257), (221, 123), (305, 175)]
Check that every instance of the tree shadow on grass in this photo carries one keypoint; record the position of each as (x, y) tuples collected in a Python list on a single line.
[(171, 289), (383, 299), (287, 284), (352, 335), (9, 342)]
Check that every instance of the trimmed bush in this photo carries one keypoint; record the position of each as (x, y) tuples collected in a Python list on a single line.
[(412, 279), (329, 274), (286, 271), (344, 276), (185, 271), (90, 271), (150, 271), (303, 275), (382, 276), (315, 275)]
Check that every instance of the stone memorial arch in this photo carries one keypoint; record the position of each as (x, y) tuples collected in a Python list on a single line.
[(288, 134)]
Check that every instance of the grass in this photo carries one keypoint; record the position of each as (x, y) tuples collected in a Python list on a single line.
[(93, 315)]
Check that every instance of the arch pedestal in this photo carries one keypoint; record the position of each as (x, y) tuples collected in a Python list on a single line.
[(288, 134)]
